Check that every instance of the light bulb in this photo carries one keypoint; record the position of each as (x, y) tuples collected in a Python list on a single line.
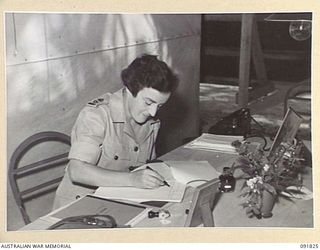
[(300, 30)]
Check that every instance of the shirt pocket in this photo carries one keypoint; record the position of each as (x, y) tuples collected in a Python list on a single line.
[(114, 151)]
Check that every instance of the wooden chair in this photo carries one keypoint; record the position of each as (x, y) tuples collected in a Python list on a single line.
[(16, 172)]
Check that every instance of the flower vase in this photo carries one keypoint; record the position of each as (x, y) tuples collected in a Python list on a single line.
[(268, 200)]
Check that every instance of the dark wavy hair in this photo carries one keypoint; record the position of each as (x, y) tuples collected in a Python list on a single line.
[(148, 71)]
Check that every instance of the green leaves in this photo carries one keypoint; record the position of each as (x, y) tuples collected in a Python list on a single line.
[(263, 173)]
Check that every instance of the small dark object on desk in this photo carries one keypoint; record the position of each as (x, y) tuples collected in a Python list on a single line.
[(152, 214), (162, 214), (227, 181), (258, 216), (236, 123)]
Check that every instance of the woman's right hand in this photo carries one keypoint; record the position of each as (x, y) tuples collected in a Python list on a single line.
[(146, 178)]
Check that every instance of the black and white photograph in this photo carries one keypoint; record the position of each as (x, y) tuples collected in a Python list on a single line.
[(158, 120)]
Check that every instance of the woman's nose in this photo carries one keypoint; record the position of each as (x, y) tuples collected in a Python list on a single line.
[(153, 110)]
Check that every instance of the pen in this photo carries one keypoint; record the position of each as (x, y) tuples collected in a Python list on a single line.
[(164, 182)]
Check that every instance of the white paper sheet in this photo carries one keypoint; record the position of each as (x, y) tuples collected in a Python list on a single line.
[(217, 143), (193, 173), (178, 174)]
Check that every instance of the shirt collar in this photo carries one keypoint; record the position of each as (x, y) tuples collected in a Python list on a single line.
[(117, 109), (116, 103)]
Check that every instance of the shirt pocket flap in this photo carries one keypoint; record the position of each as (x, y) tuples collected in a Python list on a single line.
[(115, 151)]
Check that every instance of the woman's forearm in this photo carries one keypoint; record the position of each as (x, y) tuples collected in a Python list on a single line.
[(85, 173)]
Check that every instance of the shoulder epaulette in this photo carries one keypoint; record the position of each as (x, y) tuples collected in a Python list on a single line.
[(103, 100)]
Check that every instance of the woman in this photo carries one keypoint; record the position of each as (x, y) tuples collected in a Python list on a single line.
[(118, 131)]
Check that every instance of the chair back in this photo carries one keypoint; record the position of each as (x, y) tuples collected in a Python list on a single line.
[(15, 172), (301, 94)]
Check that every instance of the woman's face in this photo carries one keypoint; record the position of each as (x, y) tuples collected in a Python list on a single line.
[(146, 104)]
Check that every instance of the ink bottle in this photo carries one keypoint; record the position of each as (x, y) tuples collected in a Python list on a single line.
[(227, 181)]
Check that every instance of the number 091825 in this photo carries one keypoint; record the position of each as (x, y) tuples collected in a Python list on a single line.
[(309, 246)]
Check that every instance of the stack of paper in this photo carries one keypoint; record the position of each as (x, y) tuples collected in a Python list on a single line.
[(193, 173), (217, 143), (178, 174)]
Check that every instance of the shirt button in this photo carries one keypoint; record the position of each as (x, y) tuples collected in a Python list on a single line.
[(116, 157), (135, 149)]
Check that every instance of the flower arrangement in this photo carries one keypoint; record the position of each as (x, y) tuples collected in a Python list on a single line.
[(267, 175)]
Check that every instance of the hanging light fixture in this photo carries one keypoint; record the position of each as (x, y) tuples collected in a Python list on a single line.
[(300, 24)]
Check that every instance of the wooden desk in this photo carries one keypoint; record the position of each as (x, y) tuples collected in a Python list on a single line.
[(228, 211)]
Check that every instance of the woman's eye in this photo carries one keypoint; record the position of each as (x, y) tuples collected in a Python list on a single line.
[(148, 103)]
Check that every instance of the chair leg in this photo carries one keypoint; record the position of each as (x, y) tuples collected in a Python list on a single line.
[(25, 216)]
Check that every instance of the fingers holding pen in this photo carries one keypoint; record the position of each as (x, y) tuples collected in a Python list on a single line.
[(146, 178), (153, 179)]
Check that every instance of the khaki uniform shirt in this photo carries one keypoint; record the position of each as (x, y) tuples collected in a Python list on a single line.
[(102, 137)]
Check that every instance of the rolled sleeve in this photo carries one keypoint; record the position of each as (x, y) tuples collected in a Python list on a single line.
[(85, 151), (87, 136)]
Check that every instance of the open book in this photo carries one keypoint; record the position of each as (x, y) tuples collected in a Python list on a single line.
[(178, 174)]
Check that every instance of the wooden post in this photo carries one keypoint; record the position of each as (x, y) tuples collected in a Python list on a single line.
[(245, 56), (257, 56)]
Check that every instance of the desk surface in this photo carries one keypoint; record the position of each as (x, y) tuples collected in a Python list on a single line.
[(228, 211)]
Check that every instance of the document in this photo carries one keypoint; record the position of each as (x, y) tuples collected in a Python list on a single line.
[(178, 174), (217, 143)]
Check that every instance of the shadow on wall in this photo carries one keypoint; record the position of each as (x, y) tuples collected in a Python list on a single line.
[(77, 58), (56, 63)]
